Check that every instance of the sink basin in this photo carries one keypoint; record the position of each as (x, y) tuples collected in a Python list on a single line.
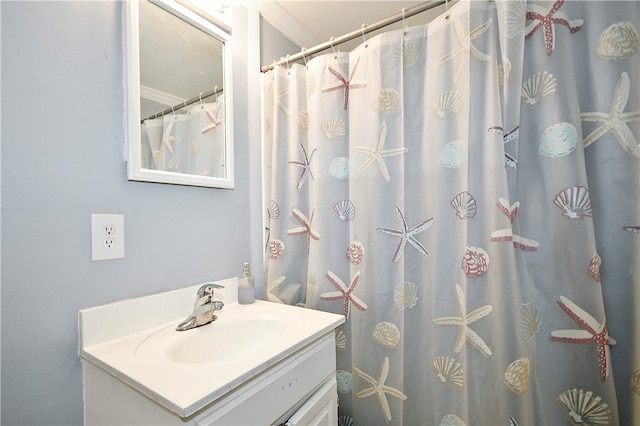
[(233, 335)]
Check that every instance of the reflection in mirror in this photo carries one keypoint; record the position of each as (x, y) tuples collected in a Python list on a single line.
[(178, 94)]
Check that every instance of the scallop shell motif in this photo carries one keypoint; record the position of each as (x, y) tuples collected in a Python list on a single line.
[(452, 155), (516, 377), (339, 168), (582, 407), (475, 262), (538, 88), (345, 210), (447, 104), (406, 55), (465, 205), (334, 128), (558, 140), (312, 83), (386, 334), (303, 119), (406, 295), (274, 210), (344, 380), (594, 267), (275, 248), (515, 17), (386, 100), (574, 202), (449, 372), (619, 41), (194, 148), (341, 340), (504, 70), (174, 162), (355, 253), (529, 321), (634, 382), (452, 420), (345, 420)]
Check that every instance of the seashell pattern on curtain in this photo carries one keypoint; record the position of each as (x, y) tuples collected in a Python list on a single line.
[(467, 194)]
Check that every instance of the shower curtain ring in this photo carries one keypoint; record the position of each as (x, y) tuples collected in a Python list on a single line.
[(304, 56), (331, 43), (215, 91), (362, 29)]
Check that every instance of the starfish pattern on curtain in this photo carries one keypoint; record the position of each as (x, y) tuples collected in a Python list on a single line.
[(504, 138)]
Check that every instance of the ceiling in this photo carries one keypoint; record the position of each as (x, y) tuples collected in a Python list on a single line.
[(312, 22)]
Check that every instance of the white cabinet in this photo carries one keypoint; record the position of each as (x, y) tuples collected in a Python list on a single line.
[(132, 374), (298, 390)]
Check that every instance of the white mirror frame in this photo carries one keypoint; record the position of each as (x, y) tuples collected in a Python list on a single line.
[(133, 139)]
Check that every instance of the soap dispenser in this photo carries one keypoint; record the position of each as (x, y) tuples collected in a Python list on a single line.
[(246, 286)]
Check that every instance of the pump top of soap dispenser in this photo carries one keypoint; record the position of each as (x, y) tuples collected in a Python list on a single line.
[(245, 269)]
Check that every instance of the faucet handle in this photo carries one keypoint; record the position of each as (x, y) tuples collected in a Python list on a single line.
[(206, 291)]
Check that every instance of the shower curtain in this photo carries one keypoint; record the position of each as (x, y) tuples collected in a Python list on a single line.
[(466, 193), (190, 141)]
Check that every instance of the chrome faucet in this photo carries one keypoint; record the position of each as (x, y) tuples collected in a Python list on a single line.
[(203, 309)]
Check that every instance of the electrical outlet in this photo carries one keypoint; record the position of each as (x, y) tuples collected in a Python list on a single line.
[(109, 229), (107, 236)]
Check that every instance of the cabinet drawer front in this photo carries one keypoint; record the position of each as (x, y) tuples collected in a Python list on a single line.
[(320, 409), (266, 398)]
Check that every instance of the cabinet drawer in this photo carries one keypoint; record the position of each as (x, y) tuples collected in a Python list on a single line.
[(264, 399)]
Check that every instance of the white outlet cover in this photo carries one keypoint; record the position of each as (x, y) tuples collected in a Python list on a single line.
[(100, 250)]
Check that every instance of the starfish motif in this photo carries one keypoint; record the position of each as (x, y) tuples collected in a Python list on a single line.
[(465, 45), (379, 389), (547, 18), (506, 234), (463, 321), (213, 119), (305, 228), (344, 292), (345, 84), (407, 235), (278, 100), (616, 120), (167, 138), (273, 285), (592, 331), (378, 154), (633, 229), (305, 164)]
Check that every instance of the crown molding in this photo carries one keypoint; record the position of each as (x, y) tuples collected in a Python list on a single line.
[(278, 16)]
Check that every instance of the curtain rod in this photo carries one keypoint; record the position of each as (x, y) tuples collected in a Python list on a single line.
[(366, 28), (187, 102)]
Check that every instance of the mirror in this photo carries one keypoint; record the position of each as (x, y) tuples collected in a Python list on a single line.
[(178, 95)]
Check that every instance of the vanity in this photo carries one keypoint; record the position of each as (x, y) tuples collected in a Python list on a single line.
[(258, 364)]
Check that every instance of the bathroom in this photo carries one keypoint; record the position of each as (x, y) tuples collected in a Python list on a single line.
[(62, 160)]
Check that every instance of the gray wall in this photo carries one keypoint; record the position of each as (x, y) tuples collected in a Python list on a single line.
[(273, 44), (62, 159)]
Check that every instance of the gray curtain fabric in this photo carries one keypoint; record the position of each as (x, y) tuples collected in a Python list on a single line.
[(467, 194)]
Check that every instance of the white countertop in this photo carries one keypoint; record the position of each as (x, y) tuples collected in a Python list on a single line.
[(111, 335)]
